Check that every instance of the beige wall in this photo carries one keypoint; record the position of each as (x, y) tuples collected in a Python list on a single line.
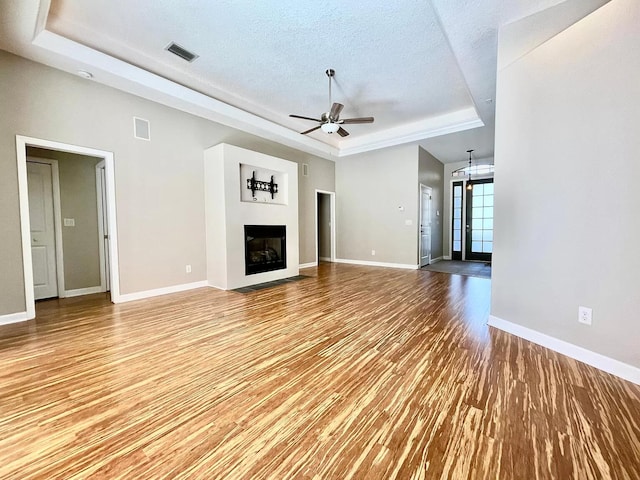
[(430, 174), (566, 179), (159, 185), (78, 200), (370, 188)]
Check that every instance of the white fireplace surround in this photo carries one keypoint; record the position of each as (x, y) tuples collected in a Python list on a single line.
[(226, 215)]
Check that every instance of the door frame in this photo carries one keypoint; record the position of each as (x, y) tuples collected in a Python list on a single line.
[(464, 181), (430, 189), (57, 220), (101, 218), (23, 193), (332, 207)]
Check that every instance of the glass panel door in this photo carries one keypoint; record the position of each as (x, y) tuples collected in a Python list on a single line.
[(479, 225)]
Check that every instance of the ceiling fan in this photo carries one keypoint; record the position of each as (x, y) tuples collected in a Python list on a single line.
[(330, 122)]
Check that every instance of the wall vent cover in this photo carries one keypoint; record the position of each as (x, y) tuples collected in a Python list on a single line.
[(141, 128), (181, 52), (305, 170)]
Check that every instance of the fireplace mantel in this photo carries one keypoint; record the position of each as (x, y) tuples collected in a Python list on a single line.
[(227, 214)]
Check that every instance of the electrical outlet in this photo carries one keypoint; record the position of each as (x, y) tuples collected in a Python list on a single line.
[(373, 252), (584, 315), (188, 268)]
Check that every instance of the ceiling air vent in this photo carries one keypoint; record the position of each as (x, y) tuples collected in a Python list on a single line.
[(181, 52)]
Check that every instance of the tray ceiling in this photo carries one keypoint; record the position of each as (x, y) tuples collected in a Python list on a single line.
[(424, 69)]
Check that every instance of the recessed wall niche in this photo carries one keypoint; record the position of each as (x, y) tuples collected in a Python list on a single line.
[(260, 185)]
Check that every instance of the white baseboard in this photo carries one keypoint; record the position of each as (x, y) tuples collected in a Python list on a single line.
[(307, 265), (435, 260), (129, 297), (446, 257), (14, 318), (378, 264), (607, 364), (82, 291)]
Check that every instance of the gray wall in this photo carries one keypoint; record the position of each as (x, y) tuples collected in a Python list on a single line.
[(159, 186), (78, 200), (324, 225), (566, 181), (431, 174), (370, 188)]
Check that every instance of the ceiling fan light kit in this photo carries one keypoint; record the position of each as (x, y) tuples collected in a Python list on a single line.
[(330, 127), (330, 122)]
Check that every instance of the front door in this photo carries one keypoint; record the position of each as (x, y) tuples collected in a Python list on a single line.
[(425, 225), (479, 222), (43, 244)]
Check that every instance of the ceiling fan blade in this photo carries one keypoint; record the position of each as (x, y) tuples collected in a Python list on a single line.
[(310, 130), (306, 118), (342, 132), (336, 108), (347, 121)]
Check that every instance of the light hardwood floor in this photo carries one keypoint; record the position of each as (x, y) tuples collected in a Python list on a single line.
[(357, 372)]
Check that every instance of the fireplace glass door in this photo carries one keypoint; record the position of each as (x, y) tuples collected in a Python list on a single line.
[(265, 248)]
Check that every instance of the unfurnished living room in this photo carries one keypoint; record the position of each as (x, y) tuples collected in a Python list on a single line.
[(319, 240)]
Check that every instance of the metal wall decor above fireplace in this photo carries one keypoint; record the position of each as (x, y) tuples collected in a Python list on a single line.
[(265, 248)]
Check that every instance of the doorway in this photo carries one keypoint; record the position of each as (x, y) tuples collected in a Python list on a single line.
[(425, 225), (325, 226), (472, 220), (35, 263)]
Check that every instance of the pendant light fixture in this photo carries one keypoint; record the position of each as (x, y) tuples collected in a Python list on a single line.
[(469, 184)]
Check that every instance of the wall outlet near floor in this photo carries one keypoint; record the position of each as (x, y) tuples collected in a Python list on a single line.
[(584, 315), (373, 252), (187, 268)]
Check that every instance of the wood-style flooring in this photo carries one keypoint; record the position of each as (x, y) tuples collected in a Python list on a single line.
[(356, 372)]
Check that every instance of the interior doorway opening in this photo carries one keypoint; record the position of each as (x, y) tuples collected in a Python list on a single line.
[(44, 216), (425, 225), (325, 226)]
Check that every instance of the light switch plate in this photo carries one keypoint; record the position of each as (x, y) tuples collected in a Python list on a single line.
[(69, 222)]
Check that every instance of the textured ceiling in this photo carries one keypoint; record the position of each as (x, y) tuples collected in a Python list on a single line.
[(425, 69), (270, 57)]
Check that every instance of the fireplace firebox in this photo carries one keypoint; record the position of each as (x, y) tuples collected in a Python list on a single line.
[(265, 248)]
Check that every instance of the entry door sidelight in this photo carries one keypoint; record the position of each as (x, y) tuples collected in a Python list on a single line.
[(479, 222), (456, 223)]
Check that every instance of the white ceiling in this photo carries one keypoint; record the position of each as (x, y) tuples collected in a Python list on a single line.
[(426, 70)]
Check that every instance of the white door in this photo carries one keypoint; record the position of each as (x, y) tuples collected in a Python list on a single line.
[(425, 225), (43, 243)]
